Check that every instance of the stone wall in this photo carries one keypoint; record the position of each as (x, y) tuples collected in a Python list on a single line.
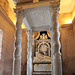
[(8, 29), (7, 42), (68, 49)]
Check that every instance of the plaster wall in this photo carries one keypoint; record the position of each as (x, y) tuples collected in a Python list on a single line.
[(68, 50)]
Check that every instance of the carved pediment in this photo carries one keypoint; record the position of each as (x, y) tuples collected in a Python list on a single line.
[(44, 35)]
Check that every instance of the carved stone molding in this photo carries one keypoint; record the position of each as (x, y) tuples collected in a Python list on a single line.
[(52, 3), (4, 15)]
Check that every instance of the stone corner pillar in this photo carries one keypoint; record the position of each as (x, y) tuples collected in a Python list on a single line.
[(55, 43), (29, 53), (18, 40)]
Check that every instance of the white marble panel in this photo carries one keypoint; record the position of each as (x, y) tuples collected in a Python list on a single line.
[(38, 16), (42, 67)]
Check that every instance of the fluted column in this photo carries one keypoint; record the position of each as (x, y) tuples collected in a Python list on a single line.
[(55, 43), (18, 40), (29, 53)]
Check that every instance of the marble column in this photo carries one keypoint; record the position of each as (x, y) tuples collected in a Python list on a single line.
[(29, 53), (55, 43), (18, 40), (1, 53)]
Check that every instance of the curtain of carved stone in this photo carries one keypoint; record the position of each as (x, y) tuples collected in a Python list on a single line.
[(18, 49), (55, 44), (29, 53)]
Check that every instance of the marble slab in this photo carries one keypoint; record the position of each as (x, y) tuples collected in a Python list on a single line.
[(42, 67)]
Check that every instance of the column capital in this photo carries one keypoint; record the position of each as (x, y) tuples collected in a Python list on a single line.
[(55, 3), (19, 13), (55, 6), (55, 13), (55, 10)]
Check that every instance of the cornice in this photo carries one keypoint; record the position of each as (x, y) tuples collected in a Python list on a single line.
[(69, 25), (52, 3), (5, 16)]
